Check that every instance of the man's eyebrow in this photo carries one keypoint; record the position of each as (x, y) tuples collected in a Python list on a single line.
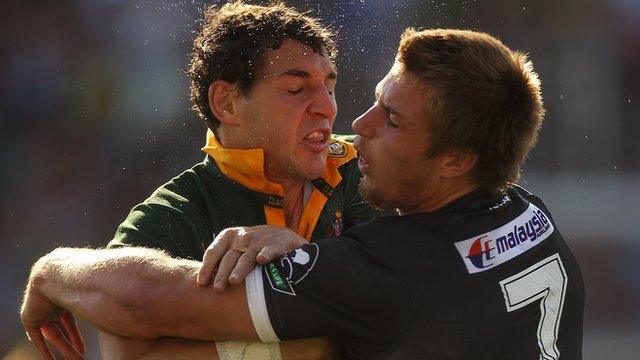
[(303, 73), (385, 106)]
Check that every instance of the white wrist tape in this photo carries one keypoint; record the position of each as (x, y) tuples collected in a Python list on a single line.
[(235, 350)]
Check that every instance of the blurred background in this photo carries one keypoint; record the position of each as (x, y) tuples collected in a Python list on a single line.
[(94, 115)]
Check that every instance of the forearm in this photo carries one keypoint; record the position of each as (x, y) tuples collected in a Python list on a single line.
[(109, 288), (114, 347), (142, 293)]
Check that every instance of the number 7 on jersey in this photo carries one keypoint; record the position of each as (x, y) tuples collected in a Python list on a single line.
[(545, 281)]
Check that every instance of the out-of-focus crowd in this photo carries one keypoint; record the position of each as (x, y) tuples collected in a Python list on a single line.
[(94, 114)]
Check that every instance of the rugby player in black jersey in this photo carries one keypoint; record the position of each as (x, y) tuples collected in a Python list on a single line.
[(475, 268)]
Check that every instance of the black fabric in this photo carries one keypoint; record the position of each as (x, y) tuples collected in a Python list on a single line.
[(398, 288)]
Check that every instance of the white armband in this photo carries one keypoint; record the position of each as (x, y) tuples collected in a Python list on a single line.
[(258, 306)]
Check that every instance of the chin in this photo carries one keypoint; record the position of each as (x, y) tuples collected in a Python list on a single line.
[(311, 170), (373, 196)]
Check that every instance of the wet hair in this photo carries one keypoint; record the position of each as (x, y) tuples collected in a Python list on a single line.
[(482, 98), (234, 41)]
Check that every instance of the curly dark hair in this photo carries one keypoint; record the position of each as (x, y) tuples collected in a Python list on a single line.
[(233, 43)]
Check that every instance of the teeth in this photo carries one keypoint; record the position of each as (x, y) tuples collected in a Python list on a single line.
[(316, 136)]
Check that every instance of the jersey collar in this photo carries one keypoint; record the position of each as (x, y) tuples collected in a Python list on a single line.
[(246, 166)]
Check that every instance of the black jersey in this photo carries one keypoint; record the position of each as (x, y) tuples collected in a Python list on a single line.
[(486, 277)]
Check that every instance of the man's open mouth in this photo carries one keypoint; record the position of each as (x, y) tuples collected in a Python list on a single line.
[(318, 140)]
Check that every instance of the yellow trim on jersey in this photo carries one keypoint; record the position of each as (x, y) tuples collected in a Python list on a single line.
[(246, 166)]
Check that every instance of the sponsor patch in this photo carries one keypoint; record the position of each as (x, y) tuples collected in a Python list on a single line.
[(277, 281), (298, 263), (337, 149), (293, 268), (485, 251)]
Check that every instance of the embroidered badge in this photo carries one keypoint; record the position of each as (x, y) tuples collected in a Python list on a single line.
[(338, 225), (337, 149), (298, 263), (277, 281), (293, 268)]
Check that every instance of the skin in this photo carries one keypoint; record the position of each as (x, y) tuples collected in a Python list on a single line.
[(392, 142)]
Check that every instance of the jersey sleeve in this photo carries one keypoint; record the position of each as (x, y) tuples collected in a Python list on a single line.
[(333, 287), (168, 220)]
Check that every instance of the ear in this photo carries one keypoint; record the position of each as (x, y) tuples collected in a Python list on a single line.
[(458, 164), (222, 97)]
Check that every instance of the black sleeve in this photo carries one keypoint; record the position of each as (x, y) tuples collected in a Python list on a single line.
[(338, 287)]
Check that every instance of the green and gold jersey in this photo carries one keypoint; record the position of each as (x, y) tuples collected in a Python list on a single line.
[(229, 189)]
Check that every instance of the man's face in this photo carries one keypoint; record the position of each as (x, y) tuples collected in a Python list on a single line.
[(392, 142), (290, 112)]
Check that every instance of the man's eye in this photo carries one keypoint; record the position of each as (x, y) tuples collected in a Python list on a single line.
[(391, 123), (295, 91)]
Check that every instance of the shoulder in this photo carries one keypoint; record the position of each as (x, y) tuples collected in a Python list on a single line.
[(181, 189), (343, 156), (528, 196), (391, 239), (341, 149)]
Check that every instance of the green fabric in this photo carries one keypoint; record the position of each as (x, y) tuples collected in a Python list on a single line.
[(183, 216)]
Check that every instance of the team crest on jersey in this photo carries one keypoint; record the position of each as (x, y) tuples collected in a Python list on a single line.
[(488, 250), (337, 149), (338, 224), (294, 267)]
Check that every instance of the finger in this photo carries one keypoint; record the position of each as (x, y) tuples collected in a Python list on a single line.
[(271, 253), (246, 263), (227, 264), (212, 257), (70, 326), (55, 336), (36, 337)]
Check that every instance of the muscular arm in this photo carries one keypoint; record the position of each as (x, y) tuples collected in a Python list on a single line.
[(138, 293)]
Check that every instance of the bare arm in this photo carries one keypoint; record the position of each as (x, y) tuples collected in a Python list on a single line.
[(134, 292), (115, 347)]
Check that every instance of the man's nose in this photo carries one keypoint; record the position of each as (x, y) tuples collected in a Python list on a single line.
[(363, 124), (324, 103)]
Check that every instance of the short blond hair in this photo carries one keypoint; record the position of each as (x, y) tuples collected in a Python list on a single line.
[(482, 98)]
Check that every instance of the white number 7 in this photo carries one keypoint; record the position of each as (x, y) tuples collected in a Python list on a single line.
[(545, 281)]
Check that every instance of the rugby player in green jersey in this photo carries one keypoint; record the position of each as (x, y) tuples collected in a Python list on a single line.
[(263, 80)]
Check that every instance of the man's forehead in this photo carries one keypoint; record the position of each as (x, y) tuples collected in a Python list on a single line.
[(293, 57), (393, 76)]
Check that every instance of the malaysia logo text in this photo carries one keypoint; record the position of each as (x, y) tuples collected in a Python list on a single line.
[(485, 251)]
